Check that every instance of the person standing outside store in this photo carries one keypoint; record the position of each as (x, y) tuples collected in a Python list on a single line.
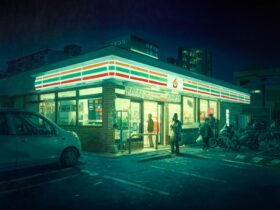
[(175, 136), (205, 132), (150, 129), (213, 125)]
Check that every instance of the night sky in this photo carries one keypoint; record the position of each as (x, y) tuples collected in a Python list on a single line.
[(241, 35)]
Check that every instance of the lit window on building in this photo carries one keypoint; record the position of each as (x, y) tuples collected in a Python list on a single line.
[(66, 112), (90, 112), (47, 105), (66, 94), (203, 109), (188, 112), (213, 108), (90, 91)]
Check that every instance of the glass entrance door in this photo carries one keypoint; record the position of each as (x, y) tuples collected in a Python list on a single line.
[(135, 120), (156, 110)]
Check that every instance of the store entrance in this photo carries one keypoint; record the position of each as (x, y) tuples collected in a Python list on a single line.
[(156, 110)]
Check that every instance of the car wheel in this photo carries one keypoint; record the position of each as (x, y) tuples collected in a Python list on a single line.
[(69, 157)]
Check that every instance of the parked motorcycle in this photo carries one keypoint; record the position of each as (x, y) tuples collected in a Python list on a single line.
[(226, 139), (250, 137)]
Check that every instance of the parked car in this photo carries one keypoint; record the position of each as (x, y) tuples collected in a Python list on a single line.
[(28, 138)]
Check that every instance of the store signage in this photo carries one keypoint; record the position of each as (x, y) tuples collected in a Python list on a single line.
[(152, 95), (115, 69), (175, 82)]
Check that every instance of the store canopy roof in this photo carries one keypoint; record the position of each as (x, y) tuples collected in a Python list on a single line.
[(118, 63)]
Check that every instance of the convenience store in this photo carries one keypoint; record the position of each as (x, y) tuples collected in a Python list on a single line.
[(106, 95)]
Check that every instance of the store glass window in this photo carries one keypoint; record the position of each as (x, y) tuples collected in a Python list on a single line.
[(188, 112), (203, 109), (90, 91), (174, 108), (120, 91), (213, 108), (122, 107), (48, 96), (135, 119), (47, 105), (66, 114), (47, 108), (66, 94), (90, 112)]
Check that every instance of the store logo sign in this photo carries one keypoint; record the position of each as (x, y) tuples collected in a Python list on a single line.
[(152, 95), (175, 83)]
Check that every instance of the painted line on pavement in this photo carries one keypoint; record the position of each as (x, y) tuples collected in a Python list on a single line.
[(257, 159), (90, 173), (97, 183), (193, 174), (39, 184), (136, 185), (240, 157), (33, 176), (233, 166), (238, 162)]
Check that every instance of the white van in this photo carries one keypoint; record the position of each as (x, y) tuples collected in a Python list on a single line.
[(28, 139)]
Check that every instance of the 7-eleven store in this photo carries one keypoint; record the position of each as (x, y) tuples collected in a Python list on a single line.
[(106, 95)]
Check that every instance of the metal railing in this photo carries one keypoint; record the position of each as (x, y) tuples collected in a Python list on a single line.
[(142, 134)]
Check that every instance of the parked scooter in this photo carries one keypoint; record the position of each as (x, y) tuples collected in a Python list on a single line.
[(250, 136), (227, 138)]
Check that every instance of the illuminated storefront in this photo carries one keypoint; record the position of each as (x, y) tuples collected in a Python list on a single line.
[(106, 97)]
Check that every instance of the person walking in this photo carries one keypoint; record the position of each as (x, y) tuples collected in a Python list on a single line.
[(205, 132), (175, 136), (150, 129)]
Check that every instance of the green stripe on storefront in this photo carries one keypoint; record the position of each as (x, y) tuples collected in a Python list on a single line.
[(215, 91), (56, 79), (140, 74), (205, 89), (71, 76), (122, 69), (189, 85), (93, 71), (158, 78), (38, 82), (111, 68)]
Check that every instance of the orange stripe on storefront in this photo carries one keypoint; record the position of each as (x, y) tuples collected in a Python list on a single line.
[(139, 69), (122, 64), (95, 65), (157, 73)]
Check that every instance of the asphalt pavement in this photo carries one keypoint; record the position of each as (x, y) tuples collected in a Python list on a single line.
[(195, 179)]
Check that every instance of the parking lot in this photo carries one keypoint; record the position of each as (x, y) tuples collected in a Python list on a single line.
[(196, 179)]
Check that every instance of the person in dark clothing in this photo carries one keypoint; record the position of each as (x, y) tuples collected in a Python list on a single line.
[(205, 132), (150, 129), (175, 136), (213, 125)]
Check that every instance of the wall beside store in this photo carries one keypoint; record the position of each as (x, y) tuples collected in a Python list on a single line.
[(189, 136), (5, 102), (108, 144), (235, 110), (90, 137)]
